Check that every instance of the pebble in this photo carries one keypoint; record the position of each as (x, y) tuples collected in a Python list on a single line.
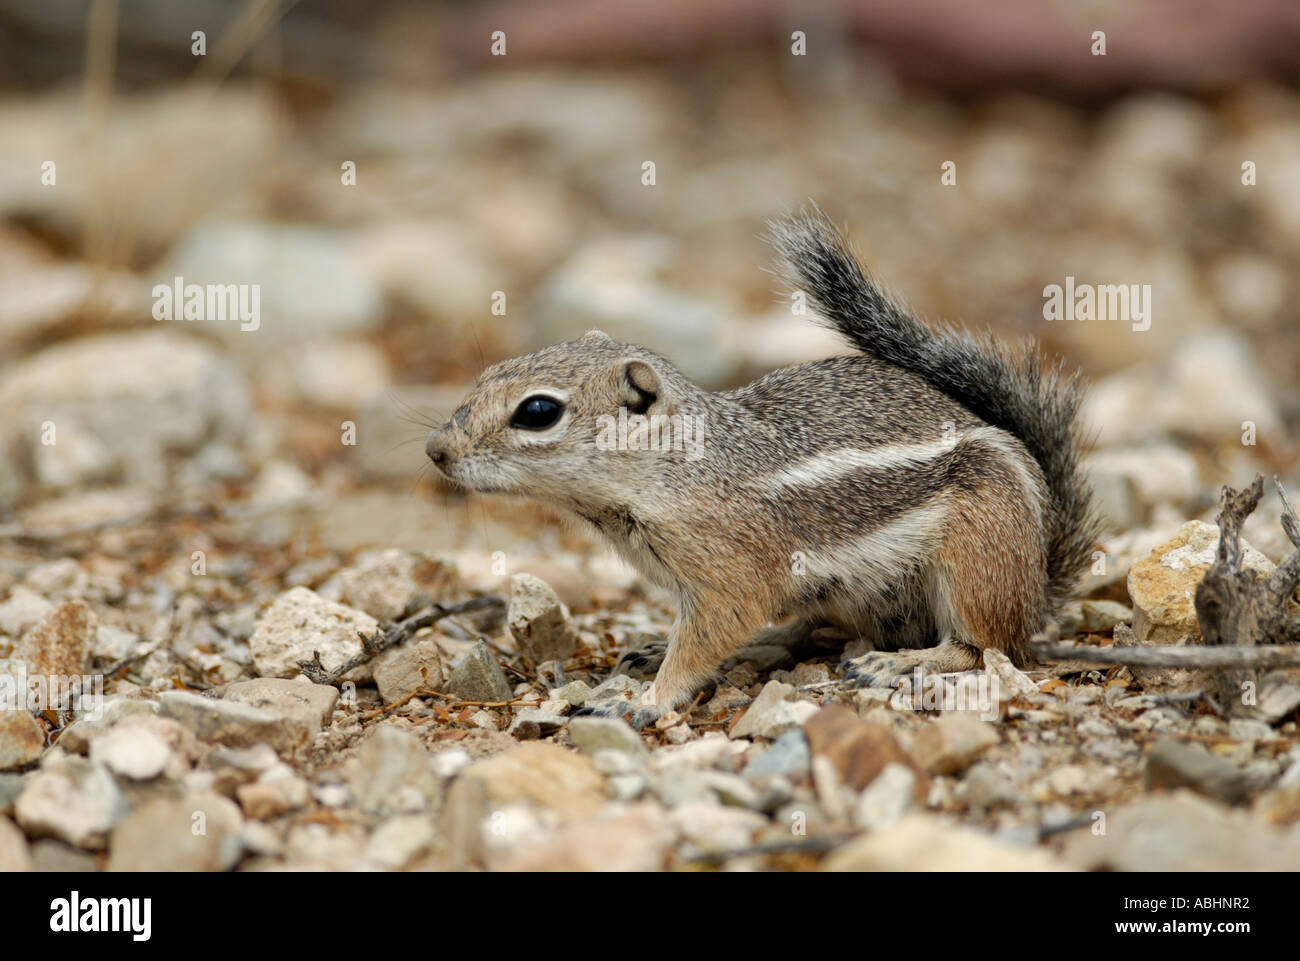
[(712, 827), (310, 705), (1280, 805), (575, 693), (1206, 386), (126, 405), (1158, 474), (113, 644), (478, 677), (1012, 682), (194, 833), (339, 374), (712, 749), (257, 838), (1279, 700), (1072, 779), (234, 724), (856, 750), (11, 786), (233, 766), (384, 584), (299, 622), (1249, 729), (539, 621), (538, 773), (788, 756), (535, 778), (952, 743), (389, 762), (320, 847), (625, 787), (924, 842), (1181, 831), (733, 790), (60, 643), (450, 762), (1091, 617), (22, 611), (886, 799), (400, 840), (985, 786), (1163, 584), (632, 839), (681, 786), (131, 751), (401, 671), (22, 739), (14, 856), (71, 799), (55, 857), (617, 686), (773, 712), (534, 722), (262, 800), (591, 734)]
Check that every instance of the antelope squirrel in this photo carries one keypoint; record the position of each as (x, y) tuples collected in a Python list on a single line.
[(924, 493)]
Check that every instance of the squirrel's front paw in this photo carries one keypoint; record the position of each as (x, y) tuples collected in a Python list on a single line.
[(642, 662), (637, 713)]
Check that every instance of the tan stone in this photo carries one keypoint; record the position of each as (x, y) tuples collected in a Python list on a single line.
[(858, 750), (923, 842), (951, 744), (22, 739), (60, 643)]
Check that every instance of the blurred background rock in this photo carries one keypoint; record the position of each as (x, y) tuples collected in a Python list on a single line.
[(522, 174)]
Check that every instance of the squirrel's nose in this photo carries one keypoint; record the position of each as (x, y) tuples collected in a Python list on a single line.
[(436, 448)]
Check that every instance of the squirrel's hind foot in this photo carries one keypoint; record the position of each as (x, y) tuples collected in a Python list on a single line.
[(642, 662), (637, 713), (883, 668)]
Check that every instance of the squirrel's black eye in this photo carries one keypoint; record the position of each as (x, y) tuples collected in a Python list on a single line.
[(537, 413)]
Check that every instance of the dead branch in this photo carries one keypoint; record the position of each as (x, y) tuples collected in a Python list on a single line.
[(1244, 616), (1239, 607), (1191, 657), (391, 634)]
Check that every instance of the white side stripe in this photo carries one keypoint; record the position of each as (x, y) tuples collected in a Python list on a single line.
[(871, 565), (829, 465), (832, 464)]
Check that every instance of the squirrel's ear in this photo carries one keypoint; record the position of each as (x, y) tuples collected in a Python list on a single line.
[(639, 388)]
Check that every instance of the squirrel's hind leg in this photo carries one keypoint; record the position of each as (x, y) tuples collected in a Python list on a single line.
[(985, 588)]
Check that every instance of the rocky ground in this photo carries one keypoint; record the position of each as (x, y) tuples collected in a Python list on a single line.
[(215, 505), (461, 747)]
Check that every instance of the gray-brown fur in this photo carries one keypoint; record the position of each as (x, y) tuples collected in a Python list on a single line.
[(870, 490), (1011, 388)]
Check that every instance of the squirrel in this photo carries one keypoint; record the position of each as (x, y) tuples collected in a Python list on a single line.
[(924, 492)]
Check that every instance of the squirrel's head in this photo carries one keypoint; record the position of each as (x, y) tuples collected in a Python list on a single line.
[(545, 425)]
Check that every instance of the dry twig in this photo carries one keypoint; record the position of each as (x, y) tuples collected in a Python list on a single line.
[(389, 635)]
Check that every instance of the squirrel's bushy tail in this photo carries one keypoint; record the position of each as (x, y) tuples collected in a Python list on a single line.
[(1013, 389)]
